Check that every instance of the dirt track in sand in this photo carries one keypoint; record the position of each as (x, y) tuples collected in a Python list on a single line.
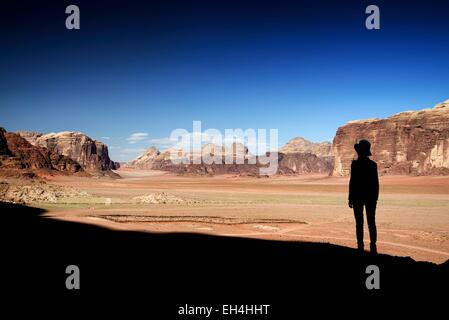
[(413, 212)]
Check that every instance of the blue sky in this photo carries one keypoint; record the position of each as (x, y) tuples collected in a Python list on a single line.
[(305, 68)]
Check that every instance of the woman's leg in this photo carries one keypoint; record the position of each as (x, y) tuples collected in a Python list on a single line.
[(371, 219), (358, 215)]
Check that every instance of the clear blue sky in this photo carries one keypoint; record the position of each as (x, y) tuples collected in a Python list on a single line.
[(303, 67)]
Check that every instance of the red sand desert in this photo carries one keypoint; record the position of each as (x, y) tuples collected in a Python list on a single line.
[(412, 216)]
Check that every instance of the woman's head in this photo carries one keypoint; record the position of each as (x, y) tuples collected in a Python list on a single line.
[(363, 148)]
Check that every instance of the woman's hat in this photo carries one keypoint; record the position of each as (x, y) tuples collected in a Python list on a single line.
[(363, 147)]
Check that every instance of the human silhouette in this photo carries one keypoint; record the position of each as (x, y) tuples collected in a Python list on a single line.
[(364, 192)]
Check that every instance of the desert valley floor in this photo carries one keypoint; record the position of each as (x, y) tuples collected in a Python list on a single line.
[(412, 216)]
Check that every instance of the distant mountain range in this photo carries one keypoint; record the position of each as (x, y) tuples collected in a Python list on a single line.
[(292, 162), (301, 145), (410, 143)]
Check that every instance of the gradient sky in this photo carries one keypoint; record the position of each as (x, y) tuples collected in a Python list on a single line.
[(304, 67)]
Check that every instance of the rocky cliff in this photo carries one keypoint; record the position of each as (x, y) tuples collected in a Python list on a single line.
[(303, 163), (30, 136), (4, 151), (146, 160), (152, 158), (301, 145), (411, 143), (19, 157), (92, 155)]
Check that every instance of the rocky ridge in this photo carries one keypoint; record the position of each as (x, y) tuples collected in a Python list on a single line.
[(20, 158), (407, 143), (301, 145), (91, 154)]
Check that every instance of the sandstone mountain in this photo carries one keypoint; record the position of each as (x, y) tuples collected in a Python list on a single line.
[(30, 136), (146, 160), (20, 158), (301, 145), (152, 158), (288, 164), (412, 142), (92, 155), (243, 163), (303, 163), (208, 169)]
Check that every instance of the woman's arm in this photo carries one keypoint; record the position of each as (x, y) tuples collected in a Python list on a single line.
[(351, 186)]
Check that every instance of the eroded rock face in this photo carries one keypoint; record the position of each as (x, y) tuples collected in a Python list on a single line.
[(303, 163), (92, 155), (30, 136), (245, 169), (26, 155), (156, 160), (23, 157), (301, 145), (243, 163), (411, 143), (152, 158), (3, 143), (146, 160)]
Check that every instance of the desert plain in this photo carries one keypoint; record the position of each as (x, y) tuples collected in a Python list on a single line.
[(412, 214)]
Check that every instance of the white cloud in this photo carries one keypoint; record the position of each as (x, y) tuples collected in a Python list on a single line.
[(138, 136), (105, 138)]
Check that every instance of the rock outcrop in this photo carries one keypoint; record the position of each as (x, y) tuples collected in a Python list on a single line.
[(409, 143), (19, 157), (30, 136), (301, 145), (92, 155), (163, 198), (4, 151), (303, 163), (37, 192), (152, 158), (301, 156), (156, 160), (243, 163), (245, 169), (146, 160)]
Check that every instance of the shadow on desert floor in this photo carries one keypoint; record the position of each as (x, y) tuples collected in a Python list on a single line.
[(183, 266)]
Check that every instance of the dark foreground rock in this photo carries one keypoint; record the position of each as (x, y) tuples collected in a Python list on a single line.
[(155, 273)]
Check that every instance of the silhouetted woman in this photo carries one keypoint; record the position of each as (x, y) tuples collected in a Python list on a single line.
[(364, 192)]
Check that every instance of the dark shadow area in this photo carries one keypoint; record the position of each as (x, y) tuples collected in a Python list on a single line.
[(161, 271)]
